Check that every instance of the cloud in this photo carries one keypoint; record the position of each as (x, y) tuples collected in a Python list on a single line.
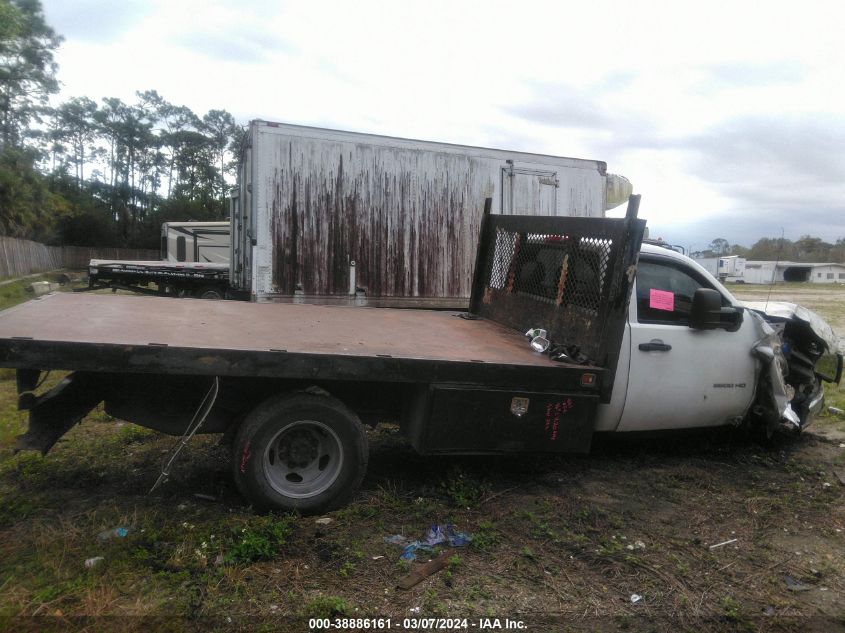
[(786, 170), (777, 152), (770, 171), (95, 20), (776, 173), (751, 75), (232, 46), (599, 111), (562, 106), (746, 226)]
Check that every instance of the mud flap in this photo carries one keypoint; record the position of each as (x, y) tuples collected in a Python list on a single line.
[(54, 413)]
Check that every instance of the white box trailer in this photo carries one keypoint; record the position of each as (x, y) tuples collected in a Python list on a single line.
[(732, 268), (728, 268), (329, 215), (207, 242)]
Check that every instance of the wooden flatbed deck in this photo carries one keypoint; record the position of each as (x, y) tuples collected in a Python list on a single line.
[(232, 338)]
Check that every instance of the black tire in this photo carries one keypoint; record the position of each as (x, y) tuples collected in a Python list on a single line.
[(303, 452), (209, 292)]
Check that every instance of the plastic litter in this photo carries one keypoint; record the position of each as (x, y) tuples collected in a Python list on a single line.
[(635, 598), (538, 339), (446, 534), (118, 532), (324, 521), (410, 551), (93, 562), (436, 535), (540, 344), (534, 332)]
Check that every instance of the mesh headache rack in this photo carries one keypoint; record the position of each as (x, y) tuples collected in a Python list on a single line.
[(569, 276)]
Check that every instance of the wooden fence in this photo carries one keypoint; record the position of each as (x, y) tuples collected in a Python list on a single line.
[(23, 257)]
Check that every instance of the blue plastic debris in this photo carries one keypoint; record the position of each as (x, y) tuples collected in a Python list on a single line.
[(446, 534), (436, 535), (410, 551), (119, 532)]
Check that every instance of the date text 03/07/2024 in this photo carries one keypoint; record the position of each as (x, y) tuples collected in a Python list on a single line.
[(411, 624)]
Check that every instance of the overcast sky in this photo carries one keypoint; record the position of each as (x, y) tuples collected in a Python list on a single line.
[(729, 118)]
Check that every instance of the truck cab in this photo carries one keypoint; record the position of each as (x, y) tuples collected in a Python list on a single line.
[(672, 373)]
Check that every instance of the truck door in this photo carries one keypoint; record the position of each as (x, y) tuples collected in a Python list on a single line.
[(529, 191), (680, 377)]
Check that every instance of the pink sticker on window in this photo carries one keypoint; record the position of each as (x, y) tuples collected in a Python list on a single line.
[(661, 300)]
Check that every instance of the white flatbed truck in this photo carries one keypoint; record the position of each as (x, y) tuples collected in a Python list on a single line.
[(291, 384)]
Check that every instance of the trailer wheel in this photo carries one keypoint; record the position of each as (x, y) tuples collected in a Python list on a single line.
[(209, 292), (304, 452)]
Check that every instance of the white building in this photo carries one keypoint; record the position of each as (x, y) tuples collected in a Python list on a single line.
[(766, 272)]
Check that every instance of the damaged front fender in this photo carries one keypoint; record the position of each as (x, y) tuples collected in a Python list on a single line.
[(797, 349), (774, 395)]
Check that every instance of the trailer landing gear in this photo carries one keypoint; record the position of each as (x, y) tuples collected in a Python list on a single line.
[(302, 451)]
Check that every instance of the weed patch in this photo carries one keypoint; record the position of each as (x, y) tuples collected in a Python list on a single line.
[(261, 539), (326, 607)]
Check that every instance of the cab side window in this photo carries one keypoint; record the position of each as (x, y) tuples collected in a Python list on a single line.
[(664, 293)]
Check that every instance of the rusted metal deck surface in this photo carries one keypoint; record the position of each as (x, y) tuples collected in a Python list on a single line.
[(128, 333)]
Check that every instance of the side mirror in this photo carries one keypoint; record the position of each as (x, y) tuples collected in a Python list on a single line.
[(707, 312)]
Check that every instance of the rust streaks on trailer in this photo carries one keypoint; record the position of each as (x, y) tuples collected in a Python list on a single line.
[(407, 219)]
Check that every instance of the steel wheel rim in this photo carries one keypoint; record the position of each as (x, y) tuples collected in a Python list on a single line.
[(303, 459)]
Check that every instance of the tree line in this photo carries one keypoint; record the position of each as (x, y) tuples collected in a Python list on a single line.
[(108, 173), (805, 249), (104, 173)]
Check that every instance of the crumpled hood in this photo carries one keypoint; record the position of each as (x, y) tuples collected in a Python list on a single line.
[(785, 310)]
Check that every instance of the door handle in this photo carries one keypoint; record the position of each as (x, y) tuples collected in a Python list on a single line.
[(655, 345)]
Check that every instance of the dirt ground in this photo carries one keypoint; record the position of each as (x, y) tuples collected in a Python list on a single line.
[(681, 532)]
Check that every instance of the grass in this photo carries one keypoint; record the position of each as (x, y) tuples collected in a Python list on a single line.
[(16, 291), (561, 542), (262, 539)]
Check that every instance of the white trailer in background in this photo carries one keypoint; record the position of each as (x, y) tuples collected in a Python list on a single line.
[(195, 242), (731, 268), (194, 263), (728, 268), (323, 215)]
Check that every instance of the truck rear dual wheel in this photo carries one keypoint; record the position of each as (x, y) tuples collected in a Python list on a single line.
[(303, 452)]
